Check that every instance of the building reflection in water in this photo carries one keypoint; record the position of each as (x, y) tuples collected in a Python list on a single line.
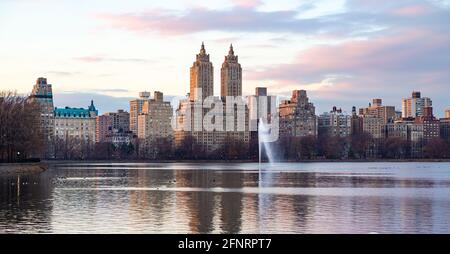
[(231, 202), (194, 198), (201, 205)]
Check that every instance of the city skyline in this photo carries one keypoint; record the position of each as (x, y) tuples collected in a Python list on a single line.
[(393, 49)]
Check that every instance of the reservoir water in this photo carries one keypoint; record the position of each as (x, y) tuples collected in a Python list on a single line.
[(228, 198)]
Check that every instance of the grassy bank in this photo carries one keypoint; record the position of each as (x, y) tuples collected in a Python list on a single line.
[(22, 168)]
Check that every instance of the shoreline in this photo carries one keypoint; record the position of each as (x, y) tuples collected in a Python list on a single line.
[(243, 161), (22, 168)]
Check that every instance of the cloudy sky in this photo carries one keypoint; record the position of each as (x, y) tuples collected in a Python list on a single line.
[(343, 52)]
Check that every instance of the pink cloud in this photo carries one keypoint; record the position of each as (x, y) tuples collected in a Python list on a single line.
[(400, 52), (247, 3), (389, 67), (240, 18), (412, 10), (152, 21), (98, 58)]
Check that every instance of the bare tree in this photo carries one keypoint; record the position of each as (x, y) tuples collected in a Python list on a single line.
[(20, 133)]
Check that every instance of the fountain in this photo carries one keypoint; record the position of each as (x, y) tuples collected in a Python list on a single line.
[(264, 138)]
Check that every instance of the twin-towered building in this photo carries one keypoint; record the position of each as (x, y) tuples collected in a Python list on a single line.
[(191, 113)]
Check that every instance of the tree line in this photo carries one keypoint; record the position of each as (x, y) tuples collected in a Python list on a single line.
[(20, 133), (21, 139)]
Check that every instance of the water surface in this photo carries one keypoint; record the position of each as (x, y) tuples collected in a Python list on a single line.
[(229, 198)]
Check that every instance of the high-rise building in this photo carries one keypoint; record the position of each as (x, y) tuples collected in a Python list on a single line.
[(202, 76), (103, 128), (376, 109), (429, 122), (76, 123), (261, 91), (444, 125), (297, 116), (335, 123), (155, 119), (373, 125), (260, 106), (112, 124), (231, 75), (190, 113), (447, 113), (120, 120), (416, 131), (42, 93), (413, 106), (155, 122), (135, 109), (356, 122)]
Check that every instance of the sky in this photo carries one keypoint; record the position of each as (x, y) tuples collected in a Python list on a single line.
[(344, 53)]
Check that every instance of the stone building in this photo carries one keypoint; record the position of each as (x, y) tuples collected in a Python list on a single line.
[(231, 75), (414, 106), (335, 123), (43, 94), (191, 113), (135, 109), (201, 76), (113, 124), (376, 109), (444, 126), (416, 131), (373, 125), (154, 123), (297, 116), (103, 128), (76, 123)]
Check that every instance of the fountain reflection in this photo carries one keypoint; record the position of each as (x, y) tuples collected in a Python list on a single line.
[(227, 198)]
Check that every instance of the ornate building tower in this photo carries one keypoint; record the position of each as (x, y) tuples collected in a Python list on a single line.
[(42, 93), (231, 75), (202, 76)]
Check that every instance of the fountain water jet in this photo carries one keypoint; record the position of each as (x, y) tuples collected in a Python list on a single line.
[(264, 140)]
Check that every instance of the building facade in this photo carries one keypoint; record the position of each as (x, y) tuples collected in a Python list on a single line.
[(43, 94), (231, 75), (373, 125), (416, 131), (112, 124), (376, 109), (103, 128), (201, 76), (414, 106), (135, 109), (76, 123), (444, 129), (155, 121), (335, 123), (297, 116), (190, 114)]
